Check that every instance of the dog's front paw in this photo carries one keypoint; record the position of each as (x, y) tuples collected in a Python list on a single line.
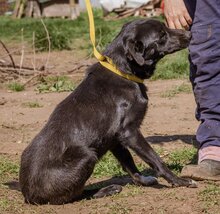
[(145, 181)]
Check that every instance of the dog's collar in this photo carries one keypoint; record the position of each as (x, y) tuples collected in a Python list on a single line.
[(106, 61)]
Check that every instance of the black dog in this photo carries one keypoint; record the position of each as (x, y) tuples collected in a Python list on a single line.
[(104, 113)]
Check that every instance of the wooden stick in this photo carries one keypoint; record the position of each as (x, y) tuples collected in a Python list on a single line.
[(10, 56), (21, 9), (22, 48), (49, 44), (21, 72), (34, 52), (35, 76), (16, 8)]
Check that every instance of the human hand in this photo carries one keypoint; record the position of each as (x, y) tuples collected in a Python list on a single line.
[(176, 14)]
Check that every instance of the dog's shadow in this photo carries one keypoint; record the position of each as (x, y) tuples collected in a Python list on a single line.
[(158, 139), (187, 139)]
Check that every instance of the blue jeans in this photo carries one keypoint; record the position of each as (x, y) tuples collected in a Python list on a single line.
[(204, 57)]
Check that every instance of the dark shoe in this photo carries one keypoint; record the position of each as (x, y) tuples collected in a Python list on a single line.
[(206, 170)]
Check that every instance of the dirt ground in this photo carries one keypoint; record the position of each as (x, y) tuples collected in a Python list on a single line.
[(169, 124)]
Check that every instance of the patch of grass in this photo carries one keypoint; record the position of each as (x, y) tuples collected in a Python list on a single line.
[(64, 33), (109, 166), (33, 104), (8, 169), (16, 86), (173, 66), (210, 196), (179, 158), (183, 88), (119, 208), (4, 204), (55, 84), (58, 40), (133, 190)]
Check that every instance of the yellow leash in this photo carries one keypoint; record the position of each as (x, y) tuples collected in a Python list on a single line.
[(105, 61)]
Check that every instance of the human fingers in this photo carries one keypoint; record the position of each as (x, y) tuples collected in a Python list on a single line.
[(183, 22), (187, 18), (177, 23), (170, 23)]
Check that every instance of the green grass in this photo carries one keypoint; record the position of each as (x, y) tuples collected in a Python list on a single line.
[(32, 104), (183, 88), (58, 40), (64, 33), (109, 166), (4, 204), (174, 66), (210, 197), (119, 208), (55, 84), (177, 159), (15, 86), (8, 169)]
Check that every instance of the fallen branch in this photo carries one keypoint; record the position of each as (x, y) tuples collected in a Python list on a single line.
[(10, 56), (35, 76), (77, 67), (23, 71)]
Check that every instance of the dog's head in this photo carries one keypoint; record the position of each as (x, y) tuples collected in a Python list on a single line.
[(142, 43)]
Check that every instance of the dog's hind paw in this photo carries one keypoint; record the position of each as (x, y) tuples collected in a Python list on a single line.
[(108, 191)]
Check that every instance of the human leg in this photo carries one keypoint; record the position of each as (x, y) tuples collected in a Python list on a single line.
[(205, 76)]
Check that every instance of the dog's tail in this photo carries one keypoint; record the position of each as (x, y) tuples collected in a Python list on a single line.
[(13, 185)]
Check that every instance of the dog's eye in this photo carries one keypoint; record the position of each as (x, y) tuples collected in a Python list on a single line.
[(139, 47), (162, 35), (162, 38)]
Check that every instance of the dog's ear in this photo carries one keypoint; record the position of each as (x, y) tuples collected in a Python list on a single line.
[(134, 51)]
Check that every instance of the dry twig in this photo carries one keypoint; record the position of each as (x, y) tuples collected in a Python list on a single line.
[(78, 67), (49, 44), (34, 52), (22, 50), (9, 54)]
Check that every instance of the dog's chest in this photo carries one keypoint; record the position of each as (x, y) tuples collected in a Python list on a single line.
[(134, 110)]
